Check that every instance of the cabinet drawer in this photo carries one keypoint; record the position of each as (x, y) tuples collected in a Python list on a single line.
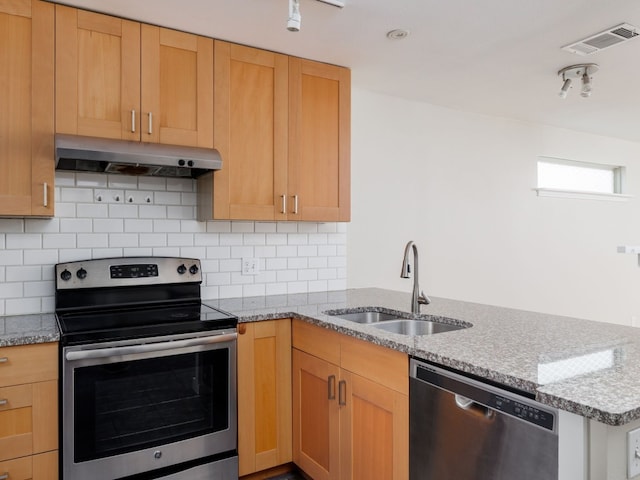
[(18, 469), (317, 341), (28, 364), (28, 419)]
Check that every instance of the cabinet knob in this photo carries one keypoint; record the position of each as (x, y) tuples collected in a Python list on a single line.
[(242, 329)]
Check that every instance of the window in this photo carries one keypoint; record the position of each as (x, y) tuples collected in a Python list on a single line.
[(568, 178)]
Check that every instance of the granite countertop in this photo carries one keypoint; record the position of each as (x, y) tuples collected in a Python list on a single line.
[(580, 366), (28, 329)]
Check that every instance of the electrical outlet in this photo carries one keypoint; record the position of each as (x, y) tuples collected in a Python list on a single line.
[(250, 266), (633, 453)]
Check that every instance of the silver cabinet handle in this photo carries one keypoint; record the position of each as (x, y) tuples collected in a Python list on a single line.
[(331, 385), (4, 360), (150, 123), (295, 204), (45, 190), (4, 476), (342, 393), (3, 402), (149, 347), (133, 121), (284, 203)]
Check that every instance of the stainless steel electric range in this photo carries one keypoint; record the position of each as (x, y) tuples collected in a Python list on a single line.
[(148, 387)]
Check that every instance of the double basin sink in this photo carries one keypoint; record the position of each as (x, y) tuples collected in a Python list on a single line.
[(396, 323)]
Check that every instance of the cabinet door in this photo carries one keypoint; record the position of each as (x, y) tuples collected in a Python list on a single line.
[(45, 466), (97, 75), (374, 430), (264, 403), (177, 88), (26, 112), (319, 141), (250, 131), (316, 442)]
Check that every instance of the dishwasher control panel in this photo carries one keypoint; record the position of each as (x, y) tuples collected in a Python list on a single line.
[(489, 396)]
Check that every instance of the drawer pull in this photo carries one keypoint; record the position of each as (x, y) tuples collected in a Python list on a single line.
[(3, 402), (4, 360), (4, 476)]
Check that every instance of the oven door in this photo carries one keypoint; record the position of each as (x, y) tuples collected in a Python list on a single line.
[(131, 407)]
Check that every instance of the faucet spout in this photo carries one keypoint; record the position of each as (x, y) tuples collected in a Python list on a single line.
[(417, 296)]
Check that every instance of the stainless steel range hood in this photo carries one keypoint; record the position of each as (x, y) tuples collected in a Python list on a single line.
[(101, 155)]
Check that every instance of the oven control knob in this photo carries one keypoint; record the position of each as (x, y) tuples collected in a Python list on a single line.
[(65, 275), (157, 454), (81, 274), (193, 269), (182, 269)]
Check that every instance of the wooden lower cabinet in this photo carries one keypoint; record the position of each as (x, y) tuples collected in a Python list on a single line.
[(264, 400), (29, 412), (345, 425)]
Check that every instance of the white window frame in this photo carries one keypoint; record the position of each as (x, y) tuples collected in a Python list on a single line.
[(619, 172)]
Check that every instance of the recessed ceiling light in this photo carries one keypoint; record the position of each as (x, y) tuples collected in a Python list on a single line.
[(398, 34)]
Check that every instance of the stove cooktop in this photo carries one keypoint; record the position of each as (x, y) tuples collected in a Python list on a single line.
[(80, 327)]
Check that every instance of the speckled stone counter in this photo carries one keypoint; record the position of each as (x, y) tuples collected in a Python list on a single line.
[(584, 367), (28, 329)]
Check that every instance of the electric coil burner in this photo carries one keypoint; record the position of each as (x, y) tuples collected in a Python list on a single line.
[(148, 387)]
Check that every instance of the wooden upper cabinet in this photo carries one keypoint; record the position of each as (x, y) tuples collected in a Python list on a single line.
[(26, 112), (250, 130), (319, 141), (119, 79), (177, 88), (97, 75)]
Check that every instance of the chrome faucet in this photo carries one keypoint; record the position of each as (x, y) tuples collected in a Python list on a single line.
[(417, 297)]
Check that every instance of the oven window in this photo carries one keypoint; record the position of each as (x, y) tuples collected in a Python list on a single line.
[(128, 406)]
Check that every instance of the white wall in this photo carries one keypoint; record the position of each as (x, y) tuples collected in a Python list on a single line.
[(460, 185), (294, 257)]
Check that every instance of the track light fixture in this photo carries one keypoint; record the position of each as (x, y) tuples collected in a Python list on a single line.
[(295, 19), (583, 72), (293, 24)]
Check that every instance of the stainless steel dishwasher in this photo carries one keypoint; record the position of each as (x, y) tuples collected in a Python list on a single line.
[(464, 429)]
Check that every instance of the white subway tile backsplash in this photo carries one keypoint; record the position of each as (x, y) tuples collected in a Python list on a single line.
[(22, 306), (89, 180), (76, 225), (11, 225), (179, 240), (93, 240), (152, 211), (99, 216), (123, 240), (23, 241), (340, 284), (181, 185), (41, 225), (12, 257), (136, 225), (152, 183), (117, 210), (76, 195), (92, 210), (59, 240), (108, 225), (166, 226), (153, 240)]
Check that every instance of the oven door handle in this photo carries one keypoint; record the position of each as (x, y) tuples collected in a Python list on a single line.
[(148, 347)]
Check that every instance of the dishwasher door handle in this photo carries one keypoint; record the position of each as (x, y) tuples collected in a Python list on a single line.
[(472, 407)]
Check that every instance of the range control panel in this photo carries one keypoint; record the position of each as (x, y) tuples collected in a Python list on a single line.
[(127, 271)]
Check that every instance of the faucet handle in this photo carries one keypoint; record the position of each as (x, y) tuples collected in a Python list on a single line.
[(423, 299)]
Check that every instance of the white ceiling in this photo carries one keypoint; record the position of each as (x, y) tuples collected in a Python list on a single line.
[(498, 57)]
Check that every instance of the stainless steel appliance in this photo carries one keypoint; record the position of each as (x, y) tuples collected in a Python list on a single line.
[(464, 429), (148, 387)]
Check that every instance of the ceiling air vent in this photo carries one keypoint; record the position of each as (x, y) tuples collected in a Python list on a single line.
[(600, 41)]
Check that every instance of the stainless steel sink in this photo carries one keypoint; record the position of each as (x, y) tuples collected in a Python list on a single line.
[(397, 322), (368, 317), (416, 327)]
